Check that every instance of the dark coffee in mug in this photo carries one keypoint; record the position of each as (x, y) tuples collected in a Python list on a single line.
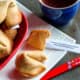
[(59, 3)]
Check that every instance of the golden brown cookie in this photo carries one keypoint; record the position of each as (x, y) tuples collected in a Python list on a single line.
[(5, 45), (28, 66), (37, 38), (11, 33), (3, 9), (14, 16)]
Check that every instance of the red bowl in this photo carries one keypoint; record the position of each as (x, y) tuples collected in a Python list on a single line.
[(22, 32)]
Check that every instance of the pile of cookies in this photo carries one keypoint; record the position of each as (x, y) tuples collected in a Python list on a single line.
[(9, 17)]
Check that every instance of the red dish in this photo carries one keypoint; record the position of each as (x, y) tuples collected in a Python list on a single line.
[(22, 32)]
